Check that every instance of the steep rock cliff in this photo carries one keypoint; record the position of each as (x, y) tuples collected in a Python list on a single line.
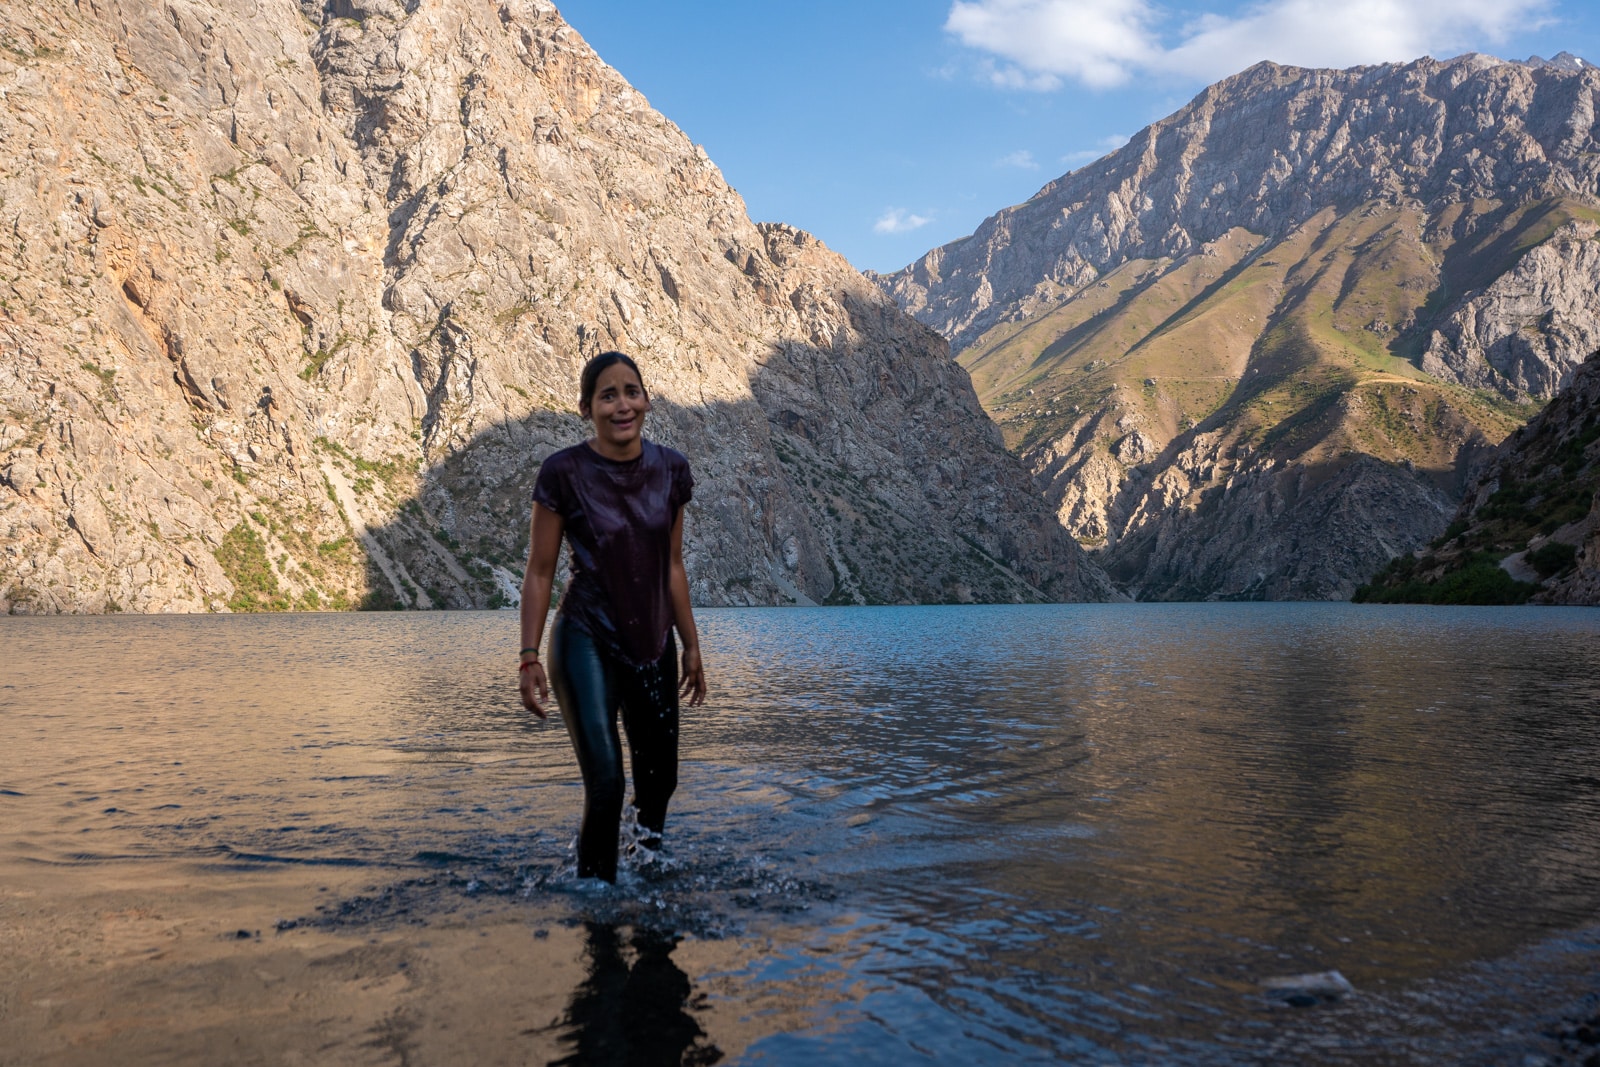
[(293, 297), (1521, 334)]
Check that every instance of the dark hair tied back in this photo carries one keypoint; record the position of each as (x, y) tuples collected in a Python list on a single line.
[(591, 376)]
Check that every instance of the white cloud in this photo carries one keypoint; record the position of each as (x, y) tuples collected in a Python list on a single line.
[(1311, 33), (1021, 158), (1036, 44), (1096, 42), (898, 220)]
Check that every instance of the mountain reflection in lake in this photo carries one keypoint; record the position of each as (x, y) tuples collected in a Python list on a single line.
[(974, 834)]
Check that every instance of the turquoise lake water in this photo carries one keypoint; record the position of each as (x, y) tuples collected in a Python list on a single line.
[(954, 834)]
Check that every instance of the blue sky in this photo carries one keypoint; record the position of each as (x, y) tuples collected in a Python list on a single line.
[(887, 127)]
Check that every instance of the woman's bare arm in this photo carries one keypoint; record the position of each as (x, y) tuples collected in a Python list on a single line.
[(544, 548), (693, 684)]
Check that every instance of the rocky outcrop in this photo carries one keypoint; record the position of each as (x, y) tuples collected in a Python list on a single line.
[(1260, 315), (293, 297), (1523, 334)]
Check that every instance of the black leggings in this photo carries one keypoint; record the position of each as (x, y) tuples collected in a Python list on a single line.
[(590, 686)]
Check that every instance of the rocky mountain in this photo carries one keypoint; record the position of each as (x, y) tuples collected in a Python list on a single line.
[(293, 298), (1262, 348), (1530, 528)]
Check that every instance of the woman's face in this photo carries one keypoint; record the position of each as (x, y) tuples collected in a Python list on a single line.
[(619, 406)]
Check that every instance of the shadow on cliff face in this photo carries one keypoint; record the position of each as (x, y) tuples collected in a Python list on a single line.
[(1304, 530), (846, 479)]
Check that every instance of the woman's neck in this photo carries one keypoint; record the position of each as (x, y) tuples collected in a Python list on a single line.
[(615, 452)]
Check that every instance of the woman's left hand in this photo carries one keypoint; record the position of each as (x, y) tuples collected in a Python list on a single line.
[(693, 684)]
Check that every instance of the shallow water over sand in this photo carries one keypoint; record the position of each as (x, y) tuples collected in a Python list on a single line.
[(967, 834)]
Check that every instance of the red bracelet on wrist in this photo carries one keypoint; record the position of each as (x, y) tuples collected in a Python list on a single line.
[(526, 665)]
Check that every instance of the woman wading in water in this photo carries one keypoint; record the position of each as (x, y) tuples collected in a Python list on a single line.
[(619, 501)]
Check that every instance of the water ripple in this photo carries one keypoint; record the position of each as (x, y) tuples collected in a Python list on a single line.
[(974, 835)]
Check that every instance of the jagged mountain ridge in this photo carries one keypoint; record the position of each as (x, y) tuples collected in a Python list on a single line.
[(1258, 350), (1266, 150), (294, 297)]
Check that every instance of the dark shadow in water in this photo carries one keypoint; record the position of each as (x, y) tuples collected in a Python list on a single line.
[(631, 1008)]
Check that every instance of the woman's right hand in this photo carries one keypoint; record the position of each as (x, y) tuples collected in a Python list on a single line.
[(534, 688)]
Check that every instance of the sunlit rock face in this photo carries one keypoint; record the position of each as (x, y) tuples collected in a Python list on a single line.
[(293, 299), (1264, 347)]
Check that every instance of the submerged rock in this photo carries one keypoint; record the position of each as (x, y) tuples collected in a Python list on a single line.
[(1304, 990)]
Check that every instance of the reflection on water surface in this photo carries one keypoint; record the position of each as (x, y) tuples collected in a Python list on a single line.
[(979, 834), (631, 1006)]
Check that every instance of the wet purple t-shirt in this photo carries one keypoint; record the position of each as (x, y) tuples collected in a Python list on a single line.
[(617, 517)]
